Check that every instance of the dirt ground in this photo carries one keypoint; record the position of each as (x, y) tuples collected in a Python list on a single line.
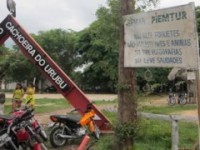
[(57, 96)]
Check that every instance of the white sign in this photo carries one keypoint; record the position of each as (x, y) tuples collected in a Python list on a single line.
[(162, 38), (191, 76)]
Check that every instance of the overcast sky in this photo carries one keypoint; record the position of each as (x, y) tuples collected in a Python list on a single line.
[(38, 15)]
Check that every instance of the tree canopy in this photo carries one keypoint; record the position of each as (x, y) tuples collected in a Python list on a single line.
[(89, 57)]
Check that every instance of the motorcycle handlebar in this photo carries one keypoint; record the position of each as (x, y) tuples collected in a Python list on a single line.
[(88, 108)]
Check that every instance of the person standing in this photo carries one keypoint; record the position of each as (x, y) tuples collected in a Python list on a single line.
[(17, 96), (30, 98)]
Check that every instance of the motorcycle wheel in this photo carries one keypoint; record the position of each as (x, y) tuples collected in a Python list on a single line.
[(55, 140)]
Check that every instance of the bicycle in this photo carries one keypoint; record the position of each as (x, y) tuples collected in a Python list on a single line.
[(171, 99), (182, 98)]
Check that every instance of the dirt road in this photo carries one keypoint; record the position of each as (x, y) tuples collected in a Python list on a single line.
[(57, 96)]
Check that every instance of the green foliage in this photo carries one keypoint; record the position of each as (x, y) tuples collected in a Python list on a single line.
[(103, 45), (158, 77), (3, 51), (147, 4), (59, 43), (127, 130), (4, 54), (123, 86), (97, 47), (20, 69)]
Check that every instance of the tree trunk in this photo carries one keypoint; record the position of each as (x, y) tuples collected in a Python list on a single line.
[(127, 104)]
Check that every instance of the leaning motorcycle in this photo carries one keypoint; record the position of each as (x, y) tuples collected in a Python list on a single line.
[(8, 138), (33, 123), (26, 133), (30, 134), (72, 126)]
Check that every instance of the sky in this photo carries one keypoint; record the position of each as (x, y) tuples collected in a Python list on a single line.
[(41, 15)]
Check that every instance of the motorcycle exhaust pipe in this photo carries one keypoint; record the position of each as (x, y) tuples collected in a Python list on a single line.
[(67, 136)]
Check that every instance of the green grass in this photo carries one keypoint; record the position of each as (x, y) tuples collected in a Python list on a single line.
[(49, 105), (153, 135), (106, 102), (157, 135), (167, 109), (145, 98), (43, 105)]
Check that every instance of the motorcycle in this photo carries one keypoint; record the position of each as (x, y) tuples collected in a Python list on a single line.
[(28, 138), (7, 130), (26, 133), (72, 126), (36, 126)]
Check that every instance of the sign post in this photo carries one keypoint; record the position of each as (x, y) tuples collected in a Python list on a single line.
[(163, 38)]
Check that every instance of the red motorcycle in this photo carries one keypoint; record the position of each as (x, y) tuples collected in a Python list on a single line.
[(8, 138), (28, 133), (36, 126)]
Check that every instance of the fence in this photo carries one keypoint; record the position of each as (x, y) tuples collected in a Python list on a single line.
[(175, 128)]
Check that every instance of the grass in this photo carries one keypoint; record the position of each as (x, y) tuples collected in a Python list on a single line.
[(168, 109), (154, 135), (106, 102), (43, 105), (145, 98)]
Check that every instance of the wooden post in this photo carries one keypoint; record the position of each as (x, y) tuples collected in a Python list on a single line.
[(175, 135)]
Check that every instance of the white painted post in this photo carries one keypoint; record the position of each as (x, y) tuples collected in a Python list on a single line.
[(175, 135), (1, 109), (2, 101)]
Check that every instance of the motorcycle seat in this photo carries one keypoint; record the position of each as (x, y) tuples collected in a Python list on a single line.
[(72, 118)]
